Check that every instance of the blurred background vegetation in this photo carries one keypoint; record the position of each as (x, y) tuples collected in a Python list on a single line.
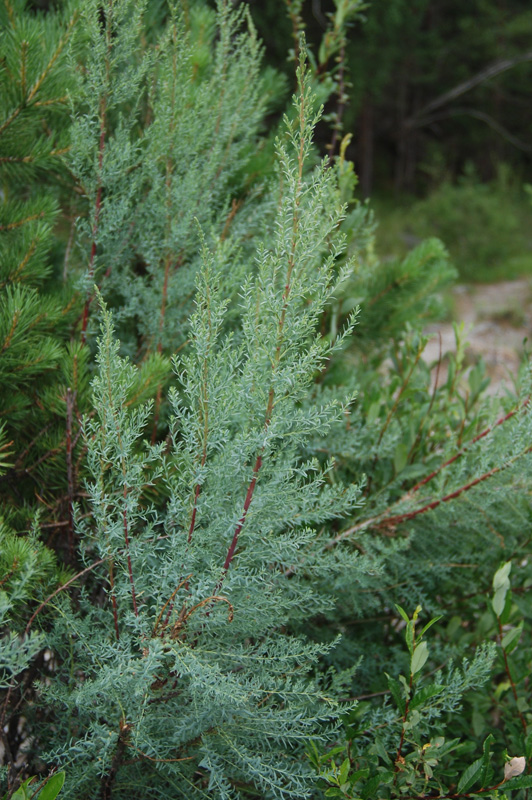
[(437, 97)]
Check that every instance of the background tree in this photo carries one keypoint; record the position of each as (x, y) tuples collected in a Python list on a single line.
[(432, 85)]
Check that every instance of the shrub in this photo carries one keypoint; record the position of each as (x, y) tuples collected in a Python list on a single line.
[(484, 226), (183, 567)]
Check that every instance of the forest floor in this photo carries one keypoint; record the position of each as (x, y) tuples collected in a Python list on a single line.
[(497, 319)]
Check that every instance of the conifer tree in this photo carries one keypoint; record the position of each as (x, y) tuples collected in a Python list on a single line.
[(37, 308)]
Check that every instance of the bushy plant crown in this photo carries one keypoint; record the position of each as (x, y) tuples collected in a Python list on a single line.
[(211, 507)]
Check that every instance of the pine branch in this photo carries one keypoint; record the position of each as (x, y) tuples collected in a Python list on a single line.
[(42, 77)]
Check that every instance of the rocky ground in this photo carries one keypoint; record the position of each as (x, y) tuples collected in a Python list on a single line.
[(497, 319)]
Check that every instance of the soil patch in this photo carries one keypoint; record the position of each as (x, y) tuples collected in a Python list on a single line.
[(497, 319)]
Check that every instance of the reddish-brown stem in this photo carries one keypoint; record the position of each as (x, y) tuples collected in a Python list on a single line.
[(468, 445), (197, 491), (234, 541), (169, 601), (277, 357), (267, 420), (280, 330), (510, 678), (61, 589), (184, 614), (403, 728), (108, 780), (383, 520), (235, 205), (435, 503)]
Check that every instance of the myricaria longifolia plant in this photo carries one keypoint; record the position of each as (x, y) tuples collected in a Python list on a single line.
[(224, 460), (207, 681)]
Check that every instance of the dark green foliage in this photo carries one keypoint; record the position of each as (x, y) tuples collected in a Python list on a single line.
[(38, 306), (485, 226), (401, 61)]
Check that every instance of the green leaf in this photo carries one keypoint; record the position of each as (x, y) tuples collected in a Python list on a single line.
[(24, 792), (406, 685), (500, 578), (370, 789), (402, 613), (522, 702), (419, 656), (511, 639), (471, 775), (400, 457), (499, 599), (344, 771), (521, 782), (425, 694), (380, 750), (528, 746), (409, 635), (314, 756), (52, 788), (373, 412), (429, 624), (486, 754), (507, 610), (395, 689), (414, 718), (359, 775)]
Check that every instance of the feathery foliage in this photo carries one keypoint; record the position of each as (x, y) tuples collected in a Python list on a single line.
[(207, 520)]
